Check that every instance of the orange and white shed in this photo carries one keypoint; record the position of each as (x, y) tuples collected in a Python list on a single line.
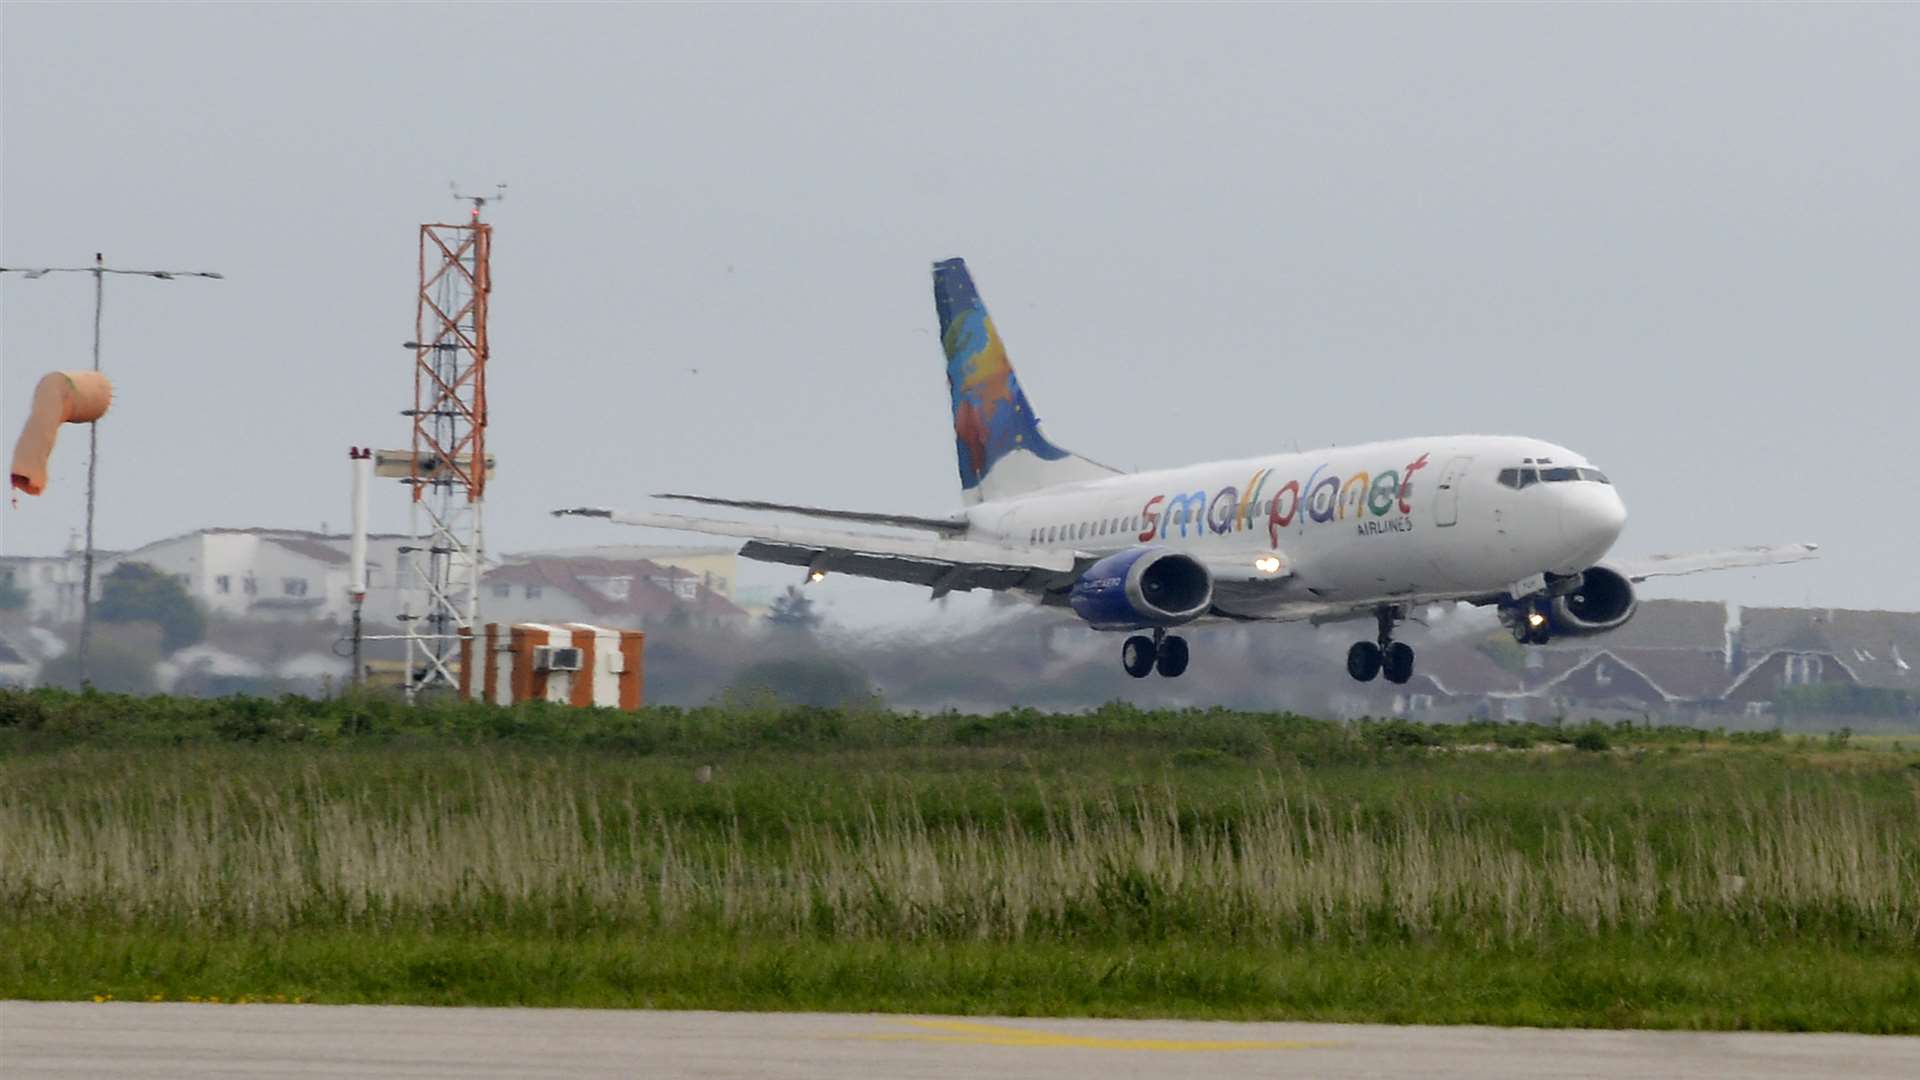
[(566, 664)]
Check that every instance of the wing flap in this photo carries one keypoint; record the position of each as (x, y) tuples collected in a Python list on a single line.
[(1699, 562), (943, 577), (943, 565), (944, 526)]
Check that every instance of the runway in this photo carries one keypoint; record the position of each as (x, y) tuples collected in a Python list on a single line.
[(184, 1040)]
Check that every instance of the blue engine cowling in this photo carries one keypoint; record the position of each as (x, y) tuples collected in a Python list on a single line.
[(1142, 588)]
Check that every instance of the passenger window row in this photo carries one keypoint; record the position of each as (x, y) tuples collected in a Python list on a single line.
[(1054, 534)]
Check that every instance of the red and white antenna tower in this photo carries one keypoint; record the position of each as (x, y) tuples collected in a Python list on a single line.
[(449, 464)]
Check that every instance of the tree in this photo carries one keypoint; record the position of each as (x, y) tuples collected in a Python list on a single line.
[(136, 592), (114, 665), (803, 680), (12, 597), (793, 611)]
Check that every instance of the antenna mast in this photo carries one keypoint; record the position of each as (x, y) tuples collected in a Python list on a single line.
[(450, 464)]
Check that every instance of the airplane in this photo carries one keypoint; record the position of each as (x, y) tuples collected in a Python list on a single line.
[(1377, 530)]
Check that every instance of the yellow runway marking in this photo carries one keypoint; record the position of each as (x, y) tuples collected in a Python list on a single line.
[(972, 1034)]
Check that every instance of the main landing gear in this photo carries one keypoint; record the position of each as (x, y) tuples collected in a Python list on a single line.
[(1529, 623), (1388, 657), (1142, 655)]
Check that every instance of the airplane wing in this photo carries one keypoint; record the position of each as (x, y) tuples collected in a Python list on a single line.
[(1697, 562), (943, 526), (941, 564)]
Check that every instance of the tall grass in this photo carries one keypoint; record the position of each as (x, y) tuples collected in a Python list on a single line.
[(274, 841)]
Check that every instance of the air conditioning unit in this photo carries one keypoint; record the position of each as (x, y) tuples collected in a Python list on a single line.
[(556, 658)]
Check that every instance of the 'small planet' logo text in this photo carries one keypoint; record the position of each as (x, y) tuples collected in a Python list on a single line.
[(1377, 503)]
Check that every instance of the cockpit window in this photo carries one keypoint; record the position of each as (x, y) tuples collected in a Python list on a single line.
[(1529, 476), (1565, 474), (1558, 475)]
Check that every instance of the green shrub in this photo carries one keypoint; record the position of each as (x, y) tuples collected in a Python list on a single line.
[(22, 710), (121, 663), (1392, 733), (806, 681), (135, 592)]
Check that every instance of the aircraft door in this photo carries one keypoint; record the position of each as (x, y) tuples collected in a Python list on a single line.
[(1446, 495)]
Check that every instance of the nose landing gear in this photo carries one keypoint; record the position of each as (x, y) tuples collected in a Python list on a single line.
[(1142, 655), (1388, 657)]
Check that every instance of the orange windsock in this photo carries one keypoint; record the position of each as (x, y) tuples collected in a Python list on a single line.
[(63, 397)]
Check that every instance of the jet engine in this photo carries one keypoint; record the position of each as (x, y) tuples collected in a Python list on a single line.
[(1142, 588), (1604, 601)]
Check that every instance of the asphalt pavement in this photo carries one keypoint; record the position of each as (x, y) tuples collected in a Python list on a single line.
[(185, 1040)]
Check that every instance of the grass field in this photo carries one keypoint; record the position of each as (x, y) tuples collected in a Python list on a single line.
[(1116, 863)]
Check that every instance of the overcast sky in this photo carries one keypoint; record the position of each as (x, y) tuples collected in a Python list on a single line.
[(1682, 240)]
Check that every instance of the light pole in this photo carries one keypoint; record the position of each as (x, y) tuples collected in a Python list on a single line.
[(99, 270)]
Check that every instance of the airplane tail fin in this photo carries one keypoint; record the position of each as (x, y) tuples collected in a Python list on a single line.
[(996, 434)]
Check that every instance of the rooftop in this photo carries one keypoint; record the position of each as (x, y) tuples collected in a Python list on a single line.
[(317, 550), (1879, 648), (1663, 624), (639, 594), (620, 552), (278, 535)]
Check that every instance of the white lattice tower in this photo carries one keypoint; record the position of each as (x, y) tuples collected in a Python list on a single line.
[(449, 464)]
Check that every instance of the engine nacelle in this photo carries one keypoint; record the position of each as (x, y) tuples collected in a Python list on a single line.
[(1604, 601), (1142, 588)]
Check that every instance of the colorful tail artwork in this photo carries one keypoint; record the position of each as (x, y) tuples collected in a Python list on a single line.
[(996, 435)]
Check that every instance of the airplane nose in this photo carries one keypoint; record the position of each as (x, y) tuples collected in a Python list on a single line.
[(1591, 518)]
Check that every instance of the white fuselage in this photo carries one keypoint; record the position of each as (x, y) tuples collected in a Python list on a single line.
[(1409, 520)]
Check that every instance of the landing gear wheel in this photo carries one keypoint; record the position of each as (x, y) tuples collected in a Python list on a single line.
[(1363, 661), (1137, 654), (1173, 657), (1397, 664), (1526, 633)]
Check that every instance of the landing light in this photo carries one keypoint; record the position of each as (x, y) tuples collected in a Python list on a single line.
[(1267, 564), (1536, 620), (817, 575)]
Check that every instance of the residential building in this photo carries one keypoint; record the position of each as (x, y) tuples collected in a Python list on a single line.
[(715, 568), (619, 593), (1789, 649), (243, 573), (1688, 661), (286, 574), (17, 665), (51, 583)]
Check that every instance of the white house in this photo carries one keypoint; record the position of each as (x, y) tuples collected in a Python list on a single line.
[(51, 582), (250, 573), (296, 574), (629, 594), (17, 665), (716, 568)]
